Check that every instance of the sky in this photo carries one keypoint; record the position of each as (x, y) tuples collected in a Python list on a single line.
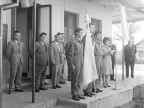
[(138, 36)]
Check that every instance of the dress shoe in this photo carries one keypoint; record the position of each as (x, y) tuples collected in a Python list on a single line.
[(87, 94), (10, 92), (81, 97), (95, 91), (75, 97), (108, 85), (113, 79), (132, 76), (36, 90), (46, 83), (58, 86), (43, 88), (19, 90), (105, 86), (62, 82), (54, 87), (99, 90), (92, 93)]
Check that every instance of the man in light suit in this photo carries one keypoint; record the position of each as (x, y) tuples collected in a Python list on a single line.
[(14, 54), (129, 54), (62, 81), (75, 59), (56, 59), (41, 62)]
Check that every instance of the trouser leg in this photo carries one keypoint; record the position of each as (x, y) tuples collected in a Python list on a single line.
[(43, 75), (13, 70), (132, 68), (112, 75), (74, 82), (18, 76), (127, 68), (38, 71), (56, 70)]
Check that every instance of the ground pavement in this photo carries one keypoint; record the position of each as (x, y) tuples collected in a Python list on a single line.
[(21, 100)]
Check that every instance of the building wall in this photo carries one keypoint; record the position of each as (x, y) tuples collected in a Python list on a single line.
[(140, 53), (80, 7)]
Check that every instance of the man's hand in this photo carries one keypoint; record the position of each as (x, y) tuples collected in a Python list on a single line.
[(73, 68)]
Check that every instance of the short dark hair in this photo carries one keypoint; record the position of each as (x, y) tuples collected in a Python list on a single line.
[(15, 32), (105, 39), (77, 30), (57, 34), (96, 33), (43, 33)]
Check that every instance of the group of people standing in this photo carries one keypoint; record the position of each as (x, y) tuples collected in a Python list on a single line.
[(57, 55), (75, 54)]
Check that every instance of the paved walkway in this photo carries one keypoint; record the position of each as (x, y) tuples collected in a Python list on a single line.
[(21, 100)]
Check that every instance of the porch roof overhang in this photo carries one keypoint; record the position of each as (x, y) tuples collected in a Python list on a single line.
[(134, 9)]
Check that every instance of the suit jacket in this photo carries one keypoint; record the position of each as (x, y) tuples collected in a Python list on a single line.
[(56, 53), (113, 47), (14, 52), (75, 53), (41, 53), (129, 52)]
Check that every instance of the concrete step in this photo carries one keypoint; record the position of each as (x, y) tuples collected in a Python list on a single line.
[(112, 100)]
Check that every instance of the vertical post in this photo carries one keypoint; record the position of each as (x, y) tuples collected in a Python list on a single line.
[(15, 13), (34, 35), (125, 32), (1, 32), (122, 59)]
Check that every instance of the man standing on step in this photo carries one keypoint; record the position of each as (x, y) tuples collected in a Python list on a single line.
[(41, 60), (75, 59), (14, 54), (129, 54)]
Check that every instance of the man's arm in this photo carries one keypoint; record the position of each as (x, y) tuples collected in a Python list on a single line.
[(51, 54), (70, 54)]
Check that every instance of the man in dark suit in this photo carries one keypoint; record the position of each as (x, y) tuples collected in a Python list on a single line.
[(14, 54), (129, 55), (41, 62), (56, 59), (112, 47), (75, 59)]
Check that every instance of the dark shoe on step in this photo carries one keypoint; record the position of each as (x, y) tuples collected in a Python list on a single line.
[(81, 97), (9, 91), (99, 90), (46, 83), (95, 91), (58, 86), (92, 93), (19, 90), (36, 90), (54, 87), (43, 88), (75, 97), (108, 85), (87, 94), (62, 82)]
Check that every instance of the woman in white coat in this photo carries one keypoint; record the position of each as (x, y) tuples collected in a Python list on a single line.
[(107, 63)]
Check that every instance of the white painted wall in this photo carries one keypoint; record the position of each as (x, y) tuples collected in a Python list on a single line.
[(80, 7)]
